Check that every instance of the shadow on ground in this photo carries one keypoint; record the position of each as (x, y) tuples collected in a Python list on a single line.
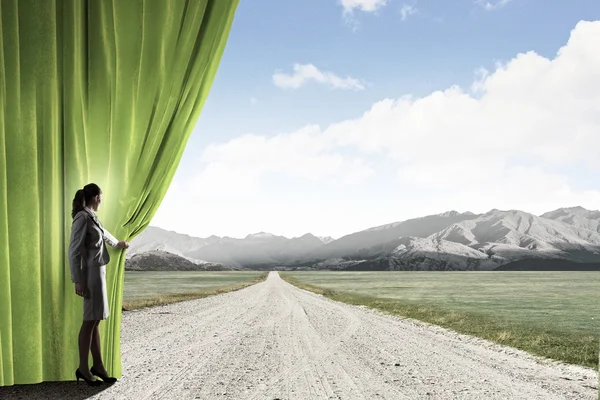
[(58, 390)]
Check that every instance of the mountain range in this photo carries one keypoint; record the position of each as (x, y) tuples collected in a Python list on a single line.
[(567, 238), (157, 260)]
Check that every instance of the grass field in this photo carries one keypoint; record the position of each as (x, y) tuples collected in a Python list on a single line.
[(151, 288), (551, 314)]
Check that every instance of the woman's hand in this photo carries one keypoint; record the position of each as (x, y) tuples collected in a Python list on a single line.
[(80, 289), (122, 244)]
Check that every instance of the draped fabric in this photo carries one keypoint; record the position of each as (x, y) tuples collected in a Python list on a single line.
[(103, 91)]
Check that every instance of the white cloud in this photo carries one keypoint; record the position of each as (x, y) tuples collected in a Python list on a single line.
[(304, 73), (362, 5), (546, 111), (369, 6), (406, 11), (518, 143), (492, 5), (238, 165)]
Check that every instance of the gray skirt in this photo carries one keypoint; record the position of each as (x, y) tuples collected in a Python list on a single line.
[(95, 301)]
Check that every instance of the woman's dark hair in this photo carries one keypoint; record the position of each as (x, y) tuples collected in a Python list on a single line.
[(83, 197)]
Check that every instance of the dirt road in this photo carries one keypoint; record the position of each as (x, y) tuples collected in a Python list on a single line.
[(274, 341)]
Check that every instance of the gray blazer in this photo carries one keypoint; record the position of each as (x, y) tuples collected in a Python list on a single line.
[(86, 248)]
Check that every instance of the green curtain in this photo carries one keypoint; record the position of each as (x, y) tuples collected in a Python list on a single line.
[(103, 91)]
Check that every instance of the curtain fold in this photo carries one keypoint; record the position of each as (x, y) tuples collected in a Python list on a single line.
[(103, 91)]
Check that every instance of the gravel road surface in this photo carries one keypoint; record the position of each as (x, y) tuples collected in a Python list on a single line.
[(274, 341)]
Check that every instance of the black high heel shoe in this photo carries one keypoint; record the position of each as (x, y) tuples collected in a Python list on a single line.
[(79, 375), (105, 378)]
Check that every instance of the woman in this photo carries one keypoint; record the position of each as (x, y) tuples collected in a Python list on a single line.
[(88, 257)]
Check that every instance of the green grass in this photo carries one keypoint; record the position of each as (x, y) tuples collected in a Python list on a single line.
[(153, 288), (550, 314)]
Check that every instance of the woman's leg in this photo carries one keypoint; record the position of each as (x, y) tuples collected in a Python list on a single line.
[(96, 351), (85, 342)]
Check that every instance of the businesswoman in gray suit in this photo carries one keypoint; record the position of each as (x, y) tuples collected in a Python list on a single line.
[(88, 258)]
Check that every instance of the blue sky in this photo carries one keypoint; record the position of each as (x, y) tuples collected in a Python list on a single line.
[(376, 54)]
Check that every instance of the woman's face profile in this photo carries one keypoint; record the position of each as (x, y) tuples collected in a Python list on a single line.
[(98, 200)]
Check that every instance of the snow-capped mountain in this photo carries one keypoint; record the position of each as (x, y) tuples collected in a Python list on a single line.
[(517, 229), (418, 227), (576, 216), (258, 249), (153, 238), (264, 236), (326, 239), (164, 261), (450, 240), (497, 238), (438, 254)]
